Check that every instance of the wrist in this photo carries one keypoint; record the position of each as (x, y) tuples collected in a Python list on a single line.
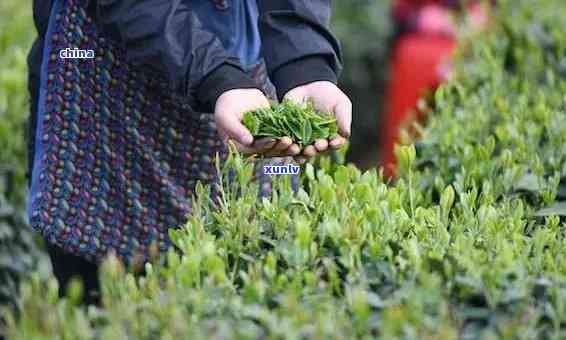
[(302, 72), (238, 94), (223, 79)]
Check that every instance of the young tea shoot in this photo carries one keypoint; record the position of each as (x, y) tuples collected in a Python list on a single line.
[(302, 123)]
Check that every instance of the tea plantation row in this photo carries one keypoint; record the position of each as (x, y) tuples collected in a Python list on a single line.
[(469, 243), (19, 252)]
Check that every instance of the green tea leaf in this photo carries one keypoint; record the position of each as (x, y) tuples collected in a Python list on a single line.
[(301, 123)]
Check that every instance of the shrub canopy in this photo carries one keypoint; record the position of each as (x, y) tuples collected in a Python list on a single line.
[(468, 243)]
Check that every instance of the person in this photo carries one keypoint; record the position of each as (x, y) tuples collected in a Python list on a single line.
[(118, 141), (426, 34)]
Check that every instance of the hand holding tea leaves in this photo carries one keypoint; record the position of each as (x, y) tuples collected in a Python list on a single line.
[(229, 112), (312, 119), (308, 128), (326, 97)]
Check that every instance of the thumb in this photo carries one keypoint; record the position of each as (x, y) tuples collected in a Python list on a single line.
[(343, 112), (231, 126), (295, 95)]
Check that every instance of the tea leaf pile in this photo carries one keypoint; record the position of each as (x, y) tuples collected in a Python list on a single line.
[(468, 243), (303, 124)]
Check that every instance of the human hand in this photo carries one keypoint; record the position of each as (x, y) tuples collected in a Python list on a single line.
[(326, 97), (228, 114)]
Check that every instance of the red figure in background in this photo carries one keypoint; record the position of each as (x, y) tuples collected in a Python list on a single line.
[(421, 57)]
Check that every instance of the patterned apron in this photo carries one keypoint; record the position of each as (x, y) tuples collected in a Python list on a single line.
[(117, 155)]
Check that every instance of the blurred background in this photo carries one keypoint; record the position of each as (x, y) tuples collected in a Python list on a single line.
[(410, 37), (20, 250), (365, 29)]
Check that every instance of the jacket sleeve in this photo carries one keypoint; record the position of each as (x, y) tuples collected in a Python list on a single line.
[(166, 37), (297, 43)]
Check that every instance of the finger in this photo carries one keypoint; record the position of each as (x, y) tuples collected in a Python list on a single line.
[(264, 144), (246, 150), (337, 142), (310, 151), (293, 150), (264, 102), (295, 96), (283, 144), (232, 127), (321, 145), (343, 111), (259, 146)]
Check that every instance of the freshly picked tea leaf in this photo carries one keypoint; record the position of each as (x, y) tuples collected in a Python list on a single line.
[(303, 124)]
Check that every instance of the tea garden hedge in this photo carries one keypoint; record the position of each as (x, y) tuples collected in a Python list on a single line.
[(19, 250), (469, 242)]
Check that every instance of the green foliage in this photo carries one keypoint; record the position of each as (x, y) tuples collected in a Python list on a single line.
[(458, 247), (18, 249), (15, 40), (302, 123)]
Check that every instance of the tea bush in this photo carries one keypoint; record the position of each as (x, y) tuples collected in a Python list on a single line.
[(468, 243), (19, 253)]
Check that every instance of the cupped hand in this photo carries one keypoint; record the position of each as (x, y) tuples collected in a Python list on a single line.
[(228, 114), (326, 97)]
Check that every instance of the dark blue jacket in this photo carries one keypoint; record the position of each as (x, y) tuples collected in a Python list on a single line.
[(235, 24), (205, 46)]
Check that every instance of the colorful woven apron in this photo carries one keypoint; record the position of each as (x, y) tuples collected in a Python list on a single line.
[(117, 155)]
